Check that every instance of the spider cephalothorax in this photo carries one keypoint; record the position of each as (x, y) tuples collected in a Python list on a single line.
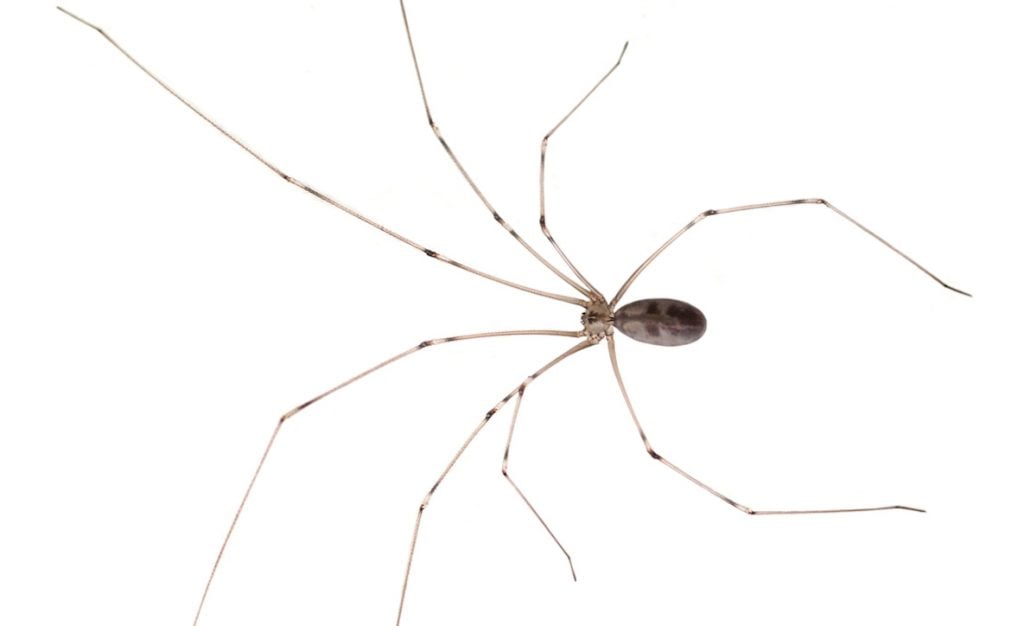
[(597, 320)]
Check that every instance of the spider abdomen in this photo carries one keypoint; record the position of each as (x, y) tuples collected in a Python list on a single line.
[(661, 321)]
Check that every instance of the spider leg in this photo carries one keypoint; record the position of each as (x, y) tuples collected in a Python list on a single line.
[(543, 163), (765, 205), (504, 472), (733, 503), (465, 174), (322, 196), (586, 343), (301, 407)]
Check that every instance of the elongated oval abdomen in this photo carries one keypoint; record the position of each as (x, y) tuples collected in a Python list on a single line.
[(661, 321)]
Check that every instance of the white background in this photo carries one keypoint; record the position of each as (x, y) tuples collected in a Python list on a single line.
[(166, 298)]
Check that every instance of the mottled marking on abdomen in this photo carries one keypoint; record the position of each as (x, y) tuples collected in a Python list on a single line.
[(661, 321)]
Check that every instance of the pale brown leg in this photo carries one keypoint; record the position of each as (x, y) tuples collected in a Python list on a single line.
[(766, 205), (322, 196), (504, 472), (280, 422), (709, 489), (462, 170), (586, 343), (543, 162)]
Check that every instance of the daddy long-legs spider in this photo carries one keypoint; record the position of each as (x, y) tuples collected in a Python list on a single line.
[(524, 229)]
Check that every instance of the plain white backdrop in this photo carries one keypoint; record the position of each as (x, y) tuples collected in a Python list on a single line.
[(166, 298)]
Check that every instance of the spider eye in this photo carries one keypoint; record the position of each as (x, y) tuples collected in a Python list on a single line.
[(661, 321)]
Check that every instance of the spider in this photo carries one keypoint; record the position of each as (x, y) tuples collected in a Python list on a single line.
[(666, 321)]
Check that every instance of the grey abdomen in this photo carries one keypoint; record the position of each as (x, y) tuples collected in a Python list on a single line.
[(661, 321)]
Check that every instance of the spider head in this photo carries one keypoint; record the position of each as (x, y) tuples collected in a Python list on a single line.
[(597, 320)]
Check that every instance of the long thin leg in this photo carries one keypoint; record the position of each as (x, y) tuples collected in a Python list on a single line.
[(712, 491), (765, 205), (462, 170), (586, 343), (543, 160), (280, 422), (504, 472), (322, 196)]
